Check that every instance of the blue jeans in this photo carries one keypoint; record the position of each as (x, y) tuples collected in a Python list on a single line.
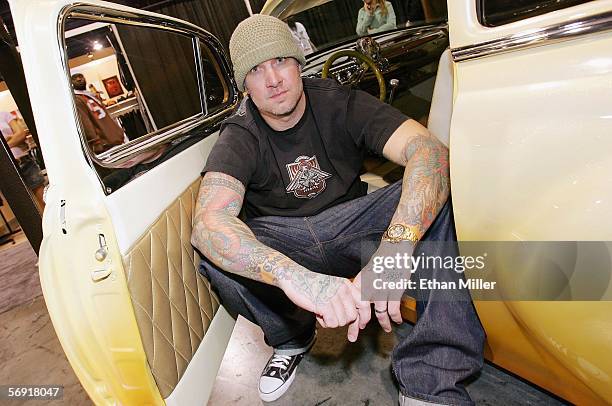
[(445, 346)]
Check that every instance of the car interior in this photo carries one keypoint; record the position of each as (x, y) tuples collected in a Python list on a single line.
[(151, 327)]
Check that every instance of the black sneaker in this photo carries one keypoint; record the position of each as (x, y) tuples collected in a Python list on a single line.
[(280, 370), (278, 375)]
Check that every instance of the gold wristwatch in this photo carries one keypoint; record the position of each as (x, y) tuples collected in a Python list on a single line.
[(401, 232)]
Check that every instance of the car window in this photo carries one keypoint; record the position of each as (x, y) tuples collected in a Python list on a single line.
[(163, 69), (142, 93), (493, 13), (324, 24), (216, 88)]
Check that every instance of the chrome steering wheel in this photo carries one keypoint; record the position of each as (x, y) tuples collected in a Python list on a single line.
[(365, 63)]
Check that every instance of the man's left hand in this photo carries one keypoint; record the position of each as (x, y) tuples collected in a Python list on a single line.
[(386, 300)]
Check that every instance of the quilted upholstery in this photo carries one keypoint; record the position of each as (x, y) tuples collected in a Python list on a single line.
[(173, 303)]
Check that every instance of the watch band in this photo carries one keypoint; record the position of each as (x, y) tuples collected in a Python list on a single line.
[(401, 232)]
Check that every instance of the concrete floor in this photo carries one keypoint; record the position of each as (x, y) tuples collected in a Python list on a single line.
[(30, 354), (335, 372), (18, 273), (338, 373)]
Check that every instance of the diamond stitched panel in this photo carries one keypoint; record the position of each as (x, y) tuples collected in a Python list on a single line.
[(173, 303)]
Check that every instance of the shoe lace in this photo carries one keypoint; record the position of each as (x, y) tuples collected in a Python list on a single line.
[(280, 361)]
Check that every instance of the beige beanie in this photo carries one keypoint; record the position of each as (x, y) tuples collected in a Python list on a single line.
[(258, 39)]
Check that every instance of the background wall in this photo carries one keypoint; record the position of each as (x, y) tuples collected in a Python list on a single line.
[(6, 101), (218, 17)]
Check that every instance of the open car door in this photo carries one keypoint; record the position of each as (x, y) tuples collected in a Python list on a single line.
[(529, 150), (120, 278)]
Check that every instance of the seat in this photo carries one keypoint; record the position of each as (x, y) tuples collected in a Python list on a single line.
[(441, 108)]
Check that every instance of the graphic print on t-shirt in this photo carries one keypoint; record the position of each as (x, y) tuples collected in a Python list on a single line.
[(307, 178)]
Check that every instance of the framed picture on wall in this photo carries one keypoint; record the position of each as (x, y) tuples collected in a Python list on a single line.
[(113, 86)]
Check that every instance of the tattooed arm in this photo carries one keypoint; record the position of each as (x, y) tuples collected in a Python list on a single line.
[(232, 246), (425, 188), (426, 183)]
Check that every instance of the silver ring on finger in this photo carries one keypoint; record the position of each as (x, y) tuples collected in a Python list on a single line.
[(380, 311)]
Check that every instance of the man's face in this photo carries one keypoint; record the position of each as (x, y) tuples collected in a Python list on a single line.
[(79, 82), (275, 86)]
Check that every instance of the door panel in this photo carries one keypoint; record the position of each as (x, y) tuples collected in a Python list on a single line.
[(529, 146), (135, 208), (466, 30), (174, 306), (116, 265)]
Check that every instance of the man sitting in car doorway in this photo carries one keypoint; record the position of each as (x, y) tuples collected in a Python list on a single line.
[(291, 157)]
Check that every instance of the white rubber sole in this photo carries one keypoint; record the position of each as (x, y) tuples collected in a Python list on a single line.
[(272, 396)]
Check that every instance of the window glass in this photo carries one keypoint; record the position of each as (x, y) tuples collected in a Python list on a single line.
[(141, 94), (498, 12), (215, 86), (163, 65), (129, 81)]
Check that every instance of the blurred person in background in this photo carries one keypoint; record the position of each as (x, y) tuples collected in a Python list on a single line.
[(101, 130), (375, 16), (301, 36), (15, 132)]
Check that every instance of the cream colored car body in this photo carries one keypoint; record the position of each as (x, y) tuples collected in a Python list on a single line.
[(529, 143), (90, 301)]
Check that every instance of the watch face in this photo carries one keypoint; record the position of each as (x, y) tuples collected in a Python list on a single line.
[(396, 231)]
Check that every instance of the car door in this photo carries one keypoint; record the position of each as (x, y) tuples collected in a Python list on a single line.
[(529, 143), (120, 278)]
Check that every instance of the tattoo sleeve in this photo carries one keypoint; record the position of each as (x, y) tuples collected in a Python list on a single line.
[(426, 184), (225, 240)]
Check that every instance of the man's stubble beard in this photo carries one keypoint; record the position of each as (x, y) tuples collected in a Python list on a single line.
[(290, 110)]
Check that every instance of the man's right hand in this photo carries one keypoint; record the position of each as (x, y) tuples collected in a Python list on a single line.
[(335, 301)]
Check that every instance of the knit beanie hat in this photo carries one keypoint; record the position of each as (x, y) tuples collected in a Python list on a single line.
[(260, 38)]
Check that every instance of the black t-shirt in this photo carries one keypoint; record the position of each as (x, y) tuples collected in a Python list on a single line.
[(312, 166)]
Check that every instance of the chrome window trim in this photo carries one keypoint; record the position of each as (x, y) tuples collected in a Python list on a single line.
[(534, 38), (124, 152), (200, 74), (281, 8)]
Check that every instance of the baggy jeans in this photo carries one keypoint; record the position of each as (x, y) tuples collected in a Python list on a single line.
[(445, 346)]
